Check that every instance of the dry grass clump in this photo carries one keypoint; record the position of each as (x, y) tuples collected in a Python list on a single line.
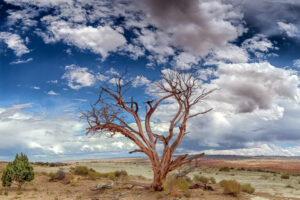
[(81, 170), (59, 175), (231, 187), (176, 187), (224, 169), (285, 176), (212, 180), (93, 174), (201, 179), (248, 188)]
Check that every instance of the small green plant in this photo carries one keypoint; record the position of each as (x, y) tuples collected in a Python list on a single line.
[(201, 179), (5, 193), (35, 189), (19, 192), (1, 192), (176, 187), (248, 188), (19, 171), (231, 187), (285, 176), (224, 169)]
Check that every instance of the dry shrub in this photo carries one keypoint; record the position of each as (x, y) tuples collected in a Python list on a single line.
[(81, 170), (116, 175), (93, 174), (51, 176), (224, 169), (201, 179), (212, 180), (176, 187), (73, 183), (248, 188), (231, 187), (285, 176), (60, 174)]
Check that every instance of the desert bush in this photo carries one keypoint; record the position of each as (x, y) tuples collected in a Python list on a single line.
[(212, 180), (116, 175), (248, 188), (188, 179), (222, 183), (231, 187), (5, 193), (121, 173), (201, 179), (92, 175), (224, 169), (81, 170), (51, 176), (1, 192), (176, 187), (285, 176), (289, 186), (19, 171), (60, 174), (19, 192)]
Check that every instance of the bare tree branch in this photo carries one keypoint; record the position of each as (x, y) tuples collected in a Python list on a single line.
[(110, 115)]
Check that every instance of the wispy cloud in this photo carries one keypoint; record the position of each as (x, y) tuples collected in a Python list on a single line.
[(51, 92), (20, 61)]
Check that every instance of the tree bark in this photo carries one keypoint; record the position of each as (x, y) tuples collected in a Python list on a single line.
[(107, 117)]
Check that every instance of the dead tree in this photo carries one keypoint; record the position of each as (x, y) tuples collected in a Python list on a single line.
[(110, 114)]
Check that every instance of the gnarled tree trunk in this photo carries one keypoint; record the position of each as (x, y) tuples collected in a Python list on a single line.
[(105, 117)]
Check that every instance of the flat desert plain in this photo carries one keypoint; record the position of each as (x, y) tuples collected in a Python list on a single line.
[(264, 174)]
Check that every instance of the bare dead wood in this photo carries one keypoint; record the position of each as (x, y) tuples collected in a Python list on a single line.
[(190, 168), (135, 183), (102, 187), (109, 115)]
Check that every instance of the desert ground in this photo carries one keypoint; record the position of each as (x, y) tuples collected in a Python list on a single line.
[(264, 174)]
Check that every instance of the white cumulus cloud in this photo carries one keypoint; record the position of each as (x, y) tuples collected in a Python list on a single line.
[(100, 39), (78, 77), (14, 42)]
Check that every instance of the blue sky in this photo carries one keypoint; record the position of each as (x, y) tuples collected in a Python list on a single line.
[(56, 54)]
